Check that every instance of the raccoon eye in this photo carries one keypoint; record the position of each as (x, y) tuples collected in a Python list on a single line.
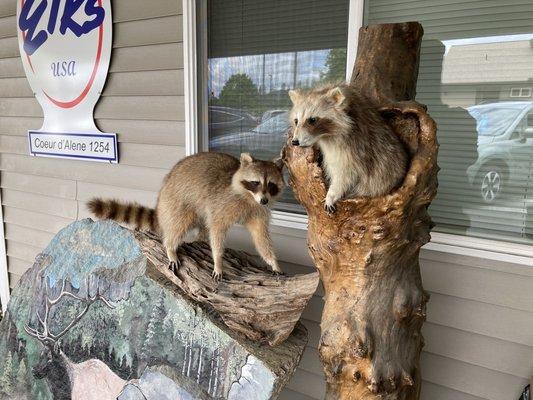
[(311, 120), (255, 183), (295, 121)]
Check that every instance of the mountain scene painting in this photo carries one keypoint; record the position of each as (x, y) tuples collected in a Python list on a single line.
[(87, 322)]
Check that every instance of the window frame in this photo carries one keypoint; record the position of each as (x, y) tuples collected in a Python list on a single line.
[(296, 224)]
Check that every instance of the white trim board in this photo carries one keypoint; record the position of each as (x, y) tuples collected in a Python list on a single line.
[(4, 276), (190, 83)]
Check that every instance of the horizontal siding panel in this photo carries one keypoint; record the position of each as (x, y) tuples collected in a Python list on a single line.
[(7, 26), (483, 351), (288, 394), (87, 191), (28, 236), (311, 362), (19, 126), (150, 31), (17, 266), (468, 378), (31, 219), (9, 47), (431, 391), (144, 83), (313, 328), (65, 189), (485, 319), (150, 155), (7, 7), (11, 68), (147, 58), (43, 204), (13, 280), (307, 383), (498, 288), (129, 10), (120, 175), (22, 251), (15, 87), (170, 108), (169, 133), (20, 107)]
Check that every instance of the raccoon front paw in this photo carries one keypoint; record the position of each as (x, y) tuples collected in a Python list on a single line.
[(174, 266), (217, 275), (278, 271), (330, 208)]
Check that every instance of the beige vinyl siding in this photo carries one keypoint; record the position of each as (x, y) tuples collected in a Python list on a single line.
[(479, 343)]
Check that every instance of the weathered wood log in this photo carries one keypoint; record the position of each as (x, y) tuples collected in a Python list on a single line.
[(367, 252), (249, 299)]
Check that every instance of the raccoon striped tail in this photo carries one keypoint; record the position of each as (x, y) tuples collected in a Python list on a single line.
[(133, 214)]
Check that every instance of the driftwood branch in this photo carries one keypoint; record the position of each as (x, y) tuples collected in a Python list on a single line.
[(367, 252), (249, 299)]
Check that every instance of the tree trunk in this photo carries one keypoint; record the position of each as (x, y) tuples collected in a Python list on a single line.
[(367, 252)]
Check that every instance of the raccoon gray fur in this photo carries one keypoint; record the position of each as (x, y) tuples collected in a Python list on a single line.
[(362, 156), (210, 192)]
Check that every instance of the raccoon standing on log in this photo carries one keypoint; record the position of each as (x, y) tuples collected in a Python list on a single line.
[(362, 156), (210, 192)]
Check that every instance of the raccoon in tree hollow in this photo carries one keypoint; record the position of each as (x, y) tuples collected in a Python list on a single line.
[(211, 192), (362, 156)]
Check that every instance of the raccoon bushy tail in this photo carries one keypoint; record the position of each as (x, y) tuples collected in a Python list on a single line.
[(133, 214)]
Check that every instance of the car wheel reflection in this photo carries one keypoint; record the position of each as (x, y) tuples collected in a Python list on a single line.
[(491, 185)]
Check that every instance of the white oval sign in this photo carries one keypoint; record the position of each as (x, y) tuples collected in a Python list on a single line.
[(65, 47)]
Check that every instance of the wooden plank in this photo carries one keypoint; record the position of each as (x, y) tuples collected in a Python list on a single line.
[(22, 251), (478, 284), (32, 237), (496, 354), (170, 108), (19, 126), (53, 187), (307, 383), (20, 107), (130, 10), (17, 266), (44, 204), (147, 58), (8, 26), (169, 133), (143, 83), (467, 378), (11, 68), (31, 219), (150, 31), (15, 87), (485, 319), (9, 47), (120, 175), (87, 190), (431, 391)]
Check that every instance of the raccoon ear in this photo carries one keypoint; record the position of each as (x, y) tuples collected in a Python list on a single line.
[(279, 163), (246, 158), (295, 96), (336, 96)]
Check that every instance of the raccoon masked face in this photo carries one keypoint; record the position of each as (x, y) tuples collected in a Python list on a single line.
[(261, 179), (315, 115)]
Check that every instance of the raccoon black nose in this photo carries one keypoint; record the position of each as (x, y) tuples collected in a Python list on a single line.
[(295, 142), (264, 200)]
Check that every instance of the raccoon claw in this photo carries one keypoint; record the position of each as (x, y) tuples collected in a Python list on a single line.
[(330, 208), (217, 276), (174, 267), (278, 272)]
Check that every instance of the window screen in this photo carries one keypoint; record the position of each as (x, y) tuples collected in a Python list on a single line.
[(476, 75), (257, 51)]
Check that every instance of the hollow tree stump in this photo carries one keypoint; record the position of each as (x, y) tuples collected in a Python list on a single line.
[(367, 252)]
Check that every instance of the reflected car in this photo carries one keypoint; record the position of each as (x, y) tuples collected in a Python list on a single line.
[(505, 149), (227, 119), (264, 140)]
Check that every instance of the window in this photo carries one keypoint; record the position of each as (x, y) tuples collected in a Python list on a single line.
[(256, 52), (474, 73)]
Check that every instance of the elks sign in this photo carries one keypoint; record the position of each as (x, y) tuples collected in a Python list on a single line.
[(65, 47)]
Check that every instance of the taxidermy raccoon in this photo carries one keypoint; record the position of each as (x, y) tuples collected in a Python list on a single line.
[(362, 156), (211, 192)]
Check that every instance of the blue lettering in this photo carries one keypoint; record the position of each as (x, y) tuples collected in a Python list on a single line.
[(29, 23), (71, 7), (63, 68)]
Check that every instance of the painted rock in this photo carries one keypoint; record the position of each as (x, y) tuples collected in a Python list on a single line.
[(91, 319)]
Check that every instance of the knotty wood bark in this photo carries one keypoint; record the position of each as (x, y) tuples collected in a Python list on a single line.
[(250, 300), (367, 252)]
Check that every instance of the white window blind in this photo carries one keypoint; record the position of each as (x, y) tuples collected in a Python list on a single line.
[(476, 75), (257, 51)]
